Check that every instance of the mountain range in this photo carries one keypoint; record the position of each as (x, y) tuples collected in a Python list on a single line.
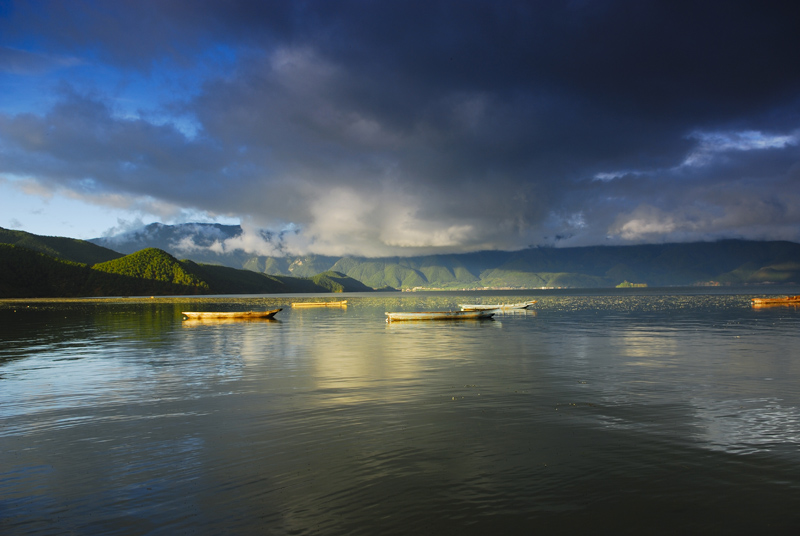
[(147, 263), (33, 266), (727, 262)]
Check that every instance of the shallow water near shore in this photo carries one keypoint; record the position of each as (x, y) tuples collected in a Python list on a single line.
[(656, 411)]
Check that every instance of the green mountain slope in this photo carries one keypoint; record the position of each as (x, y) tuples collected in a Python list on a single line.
[(338, 282), (734, 262), (729, 262), (225, 280), (25, 273), (69, 249), (28, 274), (726, 261), (154, 264)]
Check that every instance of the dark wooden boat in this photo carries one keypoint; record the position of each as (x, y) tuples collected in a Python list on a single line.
[(765, 302), (439, 315), (242, 315)]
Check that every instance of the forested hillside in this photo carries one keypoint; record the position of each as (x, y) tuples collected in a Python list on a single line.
[(28, 274), (69, 249), (729, 262), (154, 264), (726, 262), (25, 273)]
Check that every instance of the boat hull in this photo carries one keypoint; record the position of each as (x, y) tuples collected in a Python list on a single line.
[(342, 303), (496, 307), (766, 302), (196, 322), (226, 315), (439, 315)]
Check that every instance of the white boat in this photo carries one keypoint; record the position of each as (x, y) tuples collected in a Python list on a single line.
[(439, 315), (496, 307)]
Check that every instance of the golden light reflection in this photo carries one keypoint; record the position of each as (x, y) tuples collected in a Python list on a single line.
[(195, 322), (386, 352), (657, 348)]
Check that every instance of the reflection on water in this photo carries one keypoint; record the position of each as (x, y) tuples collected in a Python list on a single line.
[(645, 412), (195, 322)]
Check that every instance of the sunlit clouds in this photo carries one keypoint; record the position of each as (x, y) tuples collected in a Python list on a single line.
[(711, 144), (391, 128)]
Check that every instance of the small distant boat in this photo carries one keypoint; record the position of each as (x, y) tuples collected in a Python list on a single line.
[(244, 315), (439, 315), (496, 307), (342, 303), (788, 300)]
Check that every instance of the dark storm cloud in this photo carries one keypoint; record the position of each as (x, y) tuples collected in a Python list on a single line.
[(22, 62), (385, 126)]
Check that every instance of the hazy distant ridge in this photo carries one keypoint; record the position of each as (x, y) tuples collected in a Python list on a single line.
[(37, 266), (734, 262)]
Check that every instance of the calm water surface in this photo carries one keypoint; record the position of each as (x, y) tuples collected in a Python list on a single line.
[(656, 412)]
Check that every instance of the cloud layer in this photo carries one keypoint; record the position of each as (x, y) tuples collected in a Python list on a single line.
[(379, 128)]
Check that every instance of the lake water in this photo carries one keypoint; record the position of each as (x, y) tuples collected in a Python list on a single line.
[(648, 411)]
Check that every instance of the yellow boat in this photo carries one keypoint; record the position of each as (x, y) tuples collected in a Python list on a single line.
[(439, 315), (195, 322), (342, 303), (766, 302), (240, 315)]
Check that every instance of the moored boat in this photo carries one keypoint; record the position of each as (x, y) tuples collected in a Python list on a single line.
[(342, 303), (439, 315), (788, 300), (244, 315), (196, 322), (496, 307)]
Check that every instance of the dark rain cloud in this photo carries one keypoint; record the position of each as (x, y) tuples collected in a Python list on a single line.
[(386, 127)]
